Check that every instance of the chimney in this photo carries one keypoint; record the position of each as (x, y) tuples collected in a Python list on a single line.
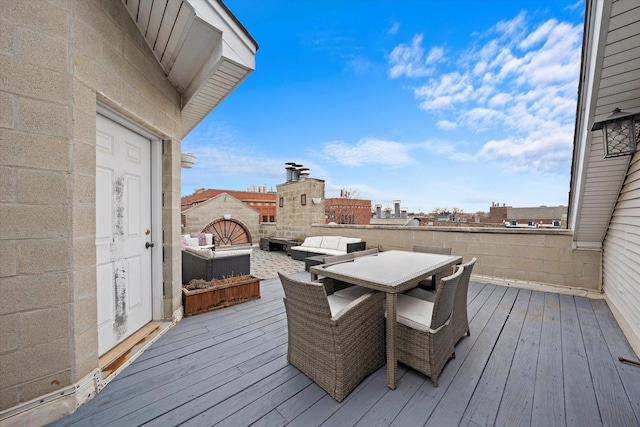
[(387, 213), (290, 167), (303, 173), (403, 212), (396, 206), (378, 211)]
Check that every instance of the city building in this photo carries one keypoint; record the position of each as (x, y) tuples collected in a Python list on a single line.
[(345, 210), (541, 216), (262, 201)]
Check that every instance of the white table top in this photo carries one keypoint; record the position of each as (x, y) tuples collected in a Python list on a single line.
[(389, 269)]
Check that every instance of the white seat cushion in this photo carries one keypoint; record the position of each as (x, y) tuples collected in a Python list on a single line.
[(414, 312), (330, 242), (342, 245), (337, 303), (422, 294), (352, 292), (313, 241)]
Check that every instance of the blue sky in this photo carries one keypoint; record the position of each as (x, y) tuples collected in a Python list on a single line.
[(434, 103)]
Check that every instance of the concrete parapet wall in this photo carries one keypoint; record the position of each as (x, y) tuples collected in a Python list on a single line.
[(520, 255)]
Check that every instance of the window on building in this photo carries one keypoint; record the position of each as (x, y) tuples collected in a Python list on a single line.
[(264, 218), (272, 219)]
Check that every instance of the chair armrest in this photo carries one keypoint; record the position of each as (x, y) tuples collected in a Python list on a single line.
[(357, 246)]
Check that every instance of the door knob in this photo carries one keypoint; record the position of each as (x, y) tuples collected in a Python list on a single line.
[(148, 245)]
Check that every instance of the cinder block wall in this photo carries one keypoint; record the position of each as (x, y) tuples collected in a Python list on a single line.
[(293, 216), (58, 59), (537, 256)]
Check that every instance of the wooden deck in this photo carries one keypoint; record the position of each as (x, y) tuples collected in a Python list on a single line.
[(532, 358)]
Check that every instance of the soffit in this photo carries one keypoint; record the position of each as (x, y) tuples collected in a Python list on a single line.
[(203, 49), (610, 78)]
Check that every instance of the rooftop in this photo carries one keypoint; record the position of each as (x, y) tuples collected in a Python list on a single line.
[(532, 358)]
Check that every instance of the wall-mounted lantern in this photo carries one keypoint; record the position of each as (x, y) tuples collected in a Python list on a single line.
[(187, 160), (620, 133)]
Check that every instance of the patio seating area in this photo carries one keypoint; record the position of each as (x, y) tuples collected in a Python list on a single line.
[(532, 358)]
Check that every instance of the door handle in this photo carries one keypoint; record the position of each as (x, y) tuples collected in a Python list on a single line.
[(148, 245)]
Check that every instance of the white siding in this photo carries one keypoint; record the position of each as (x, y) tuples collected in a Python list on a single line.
[(621, 256)]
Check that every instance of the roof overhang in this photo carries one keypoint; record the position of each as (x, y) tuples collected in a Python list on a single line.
[(203, 49), (595, 181)]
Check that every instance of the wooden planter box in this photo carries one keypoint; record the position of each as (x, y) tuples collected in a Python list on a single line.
[(202, 300)]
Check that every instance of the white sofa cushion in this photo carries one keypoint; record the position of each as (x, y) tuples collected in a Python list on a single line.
[(231, 252), (193, 242), (208, 238), (314, 241), (344, 240), (205, 253), (330, 242)]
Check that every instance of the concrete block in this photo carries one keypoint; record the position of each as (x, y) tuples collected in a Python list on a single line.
[(42, 50), (7, 184), (33, 81), (85, 313), (544, 253), (84, 99), (518, 263), (42, 187), (33, 151), (84, 157), (84, 220), (7, 33), (42, 117), (41, 326), (84, 252), (557, 241), (8, 108), (84, 190), (46, 17), (8, 258), (35, 362), (84, 366), (10, 332), (511, 251), (9, 397), (23, 293), (90, 13), (20, 221), (114, 61), (84, 127), (31, 259), (476, 249), (87, 40), (45, 385), (563, 268), (96, 77), (84, 283)]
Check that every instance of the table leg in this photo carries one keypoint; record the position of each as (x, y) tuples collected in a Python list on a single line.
[(392, 363), (314, 277)]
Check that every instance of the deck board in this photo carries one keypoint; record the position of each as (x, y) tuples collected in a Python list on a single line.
[(532, 359)]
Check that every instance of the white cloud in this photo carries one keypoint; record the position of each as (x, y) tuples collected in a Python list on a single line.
[(368, 151), (394, 28), (520, 80), (447, 125), (410, 61)]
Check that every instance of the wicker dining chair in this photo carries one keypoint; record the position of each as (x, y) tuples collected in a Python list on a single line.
[(460, 320), (428, 283), (334, 341), (424, 331)]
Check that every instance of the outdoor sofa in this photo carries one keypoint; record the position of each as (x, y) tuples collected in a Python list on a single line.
[(326, 245), (210, 264)]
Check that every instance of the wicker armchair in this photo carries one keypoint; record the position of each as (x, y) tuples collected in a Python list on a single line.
[(459, 320), (424, 331), (334, 341), (428, 283)]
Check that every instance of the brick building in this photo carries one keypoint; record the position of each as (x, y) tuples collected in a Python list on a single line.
[(342, 210)]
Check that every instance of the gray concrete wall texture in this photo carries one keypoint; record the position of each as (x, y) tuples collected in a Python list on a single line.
[(537, 256), (57, 60), (297, 210)]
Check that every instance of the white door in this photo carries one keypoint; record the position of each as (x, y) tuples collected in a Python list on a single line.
[(123, 228)]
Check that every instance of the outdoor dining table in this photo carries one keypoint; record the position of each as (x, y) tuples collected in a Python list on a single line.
[(392, 272)]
